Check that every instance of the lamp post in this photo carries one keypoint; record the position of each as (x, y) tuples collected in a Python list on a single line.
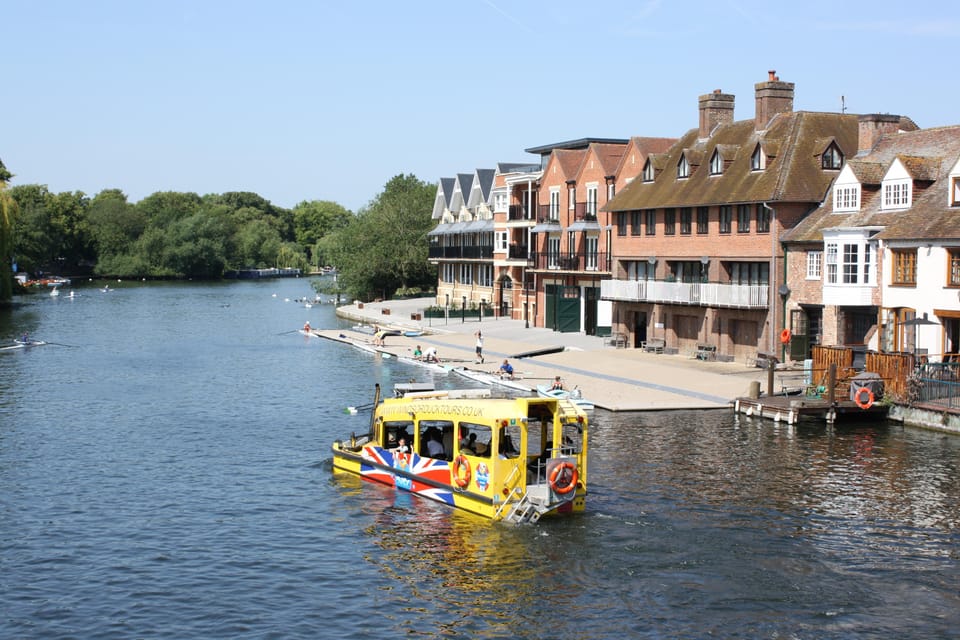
[(447, 314), (482, 301), (463, 310)]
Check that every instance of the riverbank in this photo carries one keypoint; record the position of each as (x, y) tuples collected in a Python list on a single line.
[(616, 379)]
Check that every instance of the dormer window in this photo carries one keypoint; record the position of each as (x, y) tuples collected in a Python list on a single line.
[(954, 191), (716, 163), (648, 171), (683, 167), (758, 161), (832, 158), (846, 197), (897, 194)]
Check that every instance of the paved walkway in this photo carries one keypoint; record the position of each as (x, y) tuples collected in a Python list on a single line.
[(612, 378)]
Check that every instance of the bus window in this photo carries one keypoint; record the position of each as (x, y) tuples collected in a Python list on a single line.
[(475, 439)]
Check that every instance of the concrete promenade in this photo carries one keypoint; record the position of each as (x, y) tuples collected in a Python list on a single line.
[(614, 379)]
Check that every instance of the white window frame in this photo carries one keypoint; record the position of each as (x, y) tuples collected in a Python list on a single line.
[(897, 194), (554, 203), (955, 191), (591, 247), (815, 264), (683, 168), (501, 240), (716, 163), (758, 159), (830, 260), (846, 197), (466, 273), (648, 171), (592, 199), (553, 251)]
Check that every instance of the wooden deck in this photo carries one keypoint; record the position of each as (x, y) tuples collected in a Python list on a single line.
[(790, 409)]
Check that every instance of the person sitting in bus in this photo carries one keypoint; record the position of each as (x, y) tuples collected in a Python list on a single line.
[(506, 370), (434, 446), (466, 444)]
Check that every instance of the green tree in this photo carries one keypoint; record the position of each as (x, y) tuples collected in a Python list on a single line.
[(8, 213), (258, 244), (113, 223), (314, 219), (385, 248)]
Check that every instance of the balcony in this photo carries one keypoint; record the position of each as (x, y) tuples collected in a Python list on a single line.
[(585, 212), (585, 262), (703, 294), (548, 213), (518, 252), (469, 252), (520, 212)]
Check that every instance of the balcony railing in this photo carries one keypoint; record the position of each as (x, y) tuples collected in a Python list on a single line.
[(583, 261), (585, 211), (520, 212), (471, 252), (547, 212), (704, 294), (518, 252)]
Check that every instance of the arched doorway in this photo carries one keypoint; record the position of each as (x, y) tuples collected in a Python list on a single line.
[(505, 291)]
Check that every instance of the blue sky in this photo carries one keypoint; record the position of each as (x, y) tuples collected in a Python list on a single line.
[(299, 100)]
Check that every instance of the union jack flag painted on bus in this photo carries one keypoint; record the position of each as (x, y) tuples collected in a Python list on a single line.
[(379, 465)]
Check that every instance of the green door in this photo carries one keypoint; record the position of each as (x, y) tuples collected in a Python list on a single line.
[(563, 308)]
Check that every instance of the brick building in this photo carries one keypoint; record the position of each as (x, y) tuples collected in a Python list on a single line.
[(697, 257)]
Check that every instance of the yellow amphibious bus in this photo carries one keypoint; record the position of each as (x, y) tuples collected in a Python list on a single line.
[(514, 459)]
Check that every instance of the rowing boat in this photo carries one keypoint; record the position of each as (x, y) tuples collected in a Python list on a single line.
[(511, 459), (485, 377), (23, 344), (433, 366), (575, 396)]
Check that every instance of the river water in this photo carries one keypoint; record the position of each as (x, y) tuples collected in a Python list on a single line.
[(165, 473)]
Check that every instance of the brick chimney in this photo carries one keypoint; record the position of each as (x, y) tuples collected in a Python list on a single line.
[(715, 108), (773, 97), (874, 126)]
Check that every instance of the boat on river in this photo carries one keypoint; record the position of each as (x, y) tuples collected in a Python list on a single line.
[(485, 377), (23, 344), (436, 367), (511, 459), (574, 395)]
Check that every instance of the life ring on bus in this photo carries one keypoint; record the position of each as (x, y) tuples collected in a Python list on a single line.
[(558, 475), (461, 471), (785, 336), (858, 398)]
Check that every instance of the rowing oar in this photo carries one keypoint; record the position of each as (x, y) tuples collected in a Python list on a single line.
[(286, 332), (60, 344), (353, 410)]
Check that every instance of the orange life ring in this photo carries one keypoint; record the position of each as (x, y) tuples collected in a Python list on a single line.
[(558, 473), (461, 471), (785, 336), (863, 404)]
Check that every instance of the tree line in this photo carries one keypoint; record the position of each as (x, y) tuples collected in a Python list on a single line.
[(378, 250)]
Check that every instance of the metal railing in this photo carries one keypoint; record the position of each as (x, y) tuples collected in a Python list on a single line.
[(561, 261), (707, 294), (937, 383)]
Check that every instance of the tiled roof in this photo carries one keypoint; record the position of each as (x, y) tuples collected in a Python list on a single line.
[(609, 155), (569, 161), (928, 154), (793, 176)]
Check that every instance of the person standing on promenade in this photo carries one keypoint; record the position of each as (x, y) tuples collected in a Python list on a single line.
[(479, 346)]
